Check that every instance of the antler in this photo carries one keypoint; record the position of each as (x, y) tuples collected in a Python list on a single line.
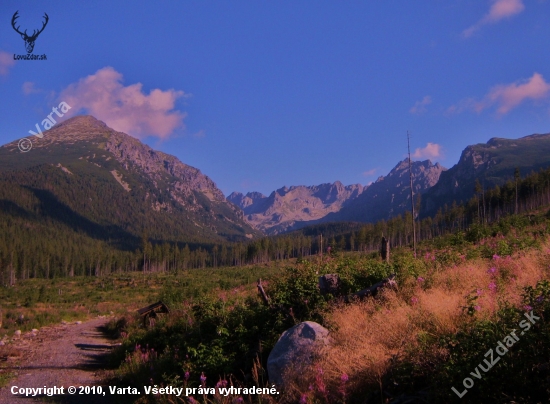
[(15, 17), (34, 35)]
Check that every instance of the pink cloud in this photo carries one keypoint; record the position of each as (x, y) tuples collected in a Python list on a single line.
[(432, 150), (500, 9), (507, 96), (6, 61), (420, 106), (125, 109), (29, 88), (503, 9)]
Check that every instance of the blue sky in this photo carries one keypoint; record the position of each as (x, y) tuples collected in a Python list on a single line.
[(259, 95)]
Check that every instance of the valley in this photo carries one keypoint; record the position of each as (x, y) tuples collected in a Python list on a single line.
[(96, 225)]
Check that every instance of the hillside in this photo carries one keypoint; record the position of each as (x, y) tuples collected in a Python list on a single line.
[(86, 177), (492, 163)]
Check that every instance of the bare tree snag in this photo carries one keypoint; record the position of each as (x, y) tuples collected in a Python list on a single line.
[(385, 250), (262, 292)]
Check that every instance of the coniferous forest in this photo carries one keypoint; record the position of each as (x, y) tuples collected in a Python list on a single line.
[(40, 238)]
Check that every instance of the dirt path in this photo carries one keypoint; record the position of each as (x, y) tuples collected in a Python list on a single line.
[(65, 355)]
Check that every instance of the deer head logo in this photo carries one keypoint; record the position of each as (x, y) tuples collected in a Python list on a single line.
[(29, 40)]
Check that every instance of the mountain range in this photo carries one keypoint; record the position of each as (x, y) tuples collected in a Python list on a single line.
[(292, 208), (288, 208), (92, 180), (492, 163)]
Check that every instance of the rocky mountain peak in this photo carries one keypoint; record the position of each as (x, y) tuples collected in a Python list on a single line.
[(289, 207), (81, 123), (87, 147)]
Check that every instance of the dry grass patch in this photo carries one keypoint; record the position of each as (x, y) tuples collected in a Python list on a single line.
[(369, 336)]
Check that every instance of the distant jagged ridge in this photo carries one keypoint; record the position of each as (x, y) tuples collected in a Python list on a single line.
[(390, 195), (291, 208)]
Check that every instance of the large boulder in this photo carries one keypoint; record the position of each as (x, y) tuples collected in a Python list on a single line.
[(296, 347)]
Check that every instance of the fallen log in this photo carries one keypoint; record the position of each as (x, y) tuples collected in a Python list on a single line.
[(152, 311), (373, 290)]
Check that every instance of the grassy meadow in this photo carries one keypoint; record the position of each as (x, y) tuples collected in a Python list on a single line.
[(458, 298)]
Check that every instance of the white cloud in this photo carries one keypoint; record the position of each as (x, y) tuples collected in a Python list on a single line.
[(6, 61), (500, 9), (419, 107), (370, 172), (200, 134), (125, 109), (507, 96), (431, 151)]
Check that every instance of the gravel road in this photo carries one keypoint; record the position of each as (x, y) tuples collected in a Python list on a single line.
[(64, 355)]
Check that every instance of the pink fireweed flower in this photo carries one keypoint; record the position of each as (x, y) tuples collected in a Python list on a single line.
[(527, 308), (477, 308), (540, 298), (203, 378), (186, 375), (493, 287), (414, 300), (303, 399), (221, 383), (496, 257), (479, 292), (492, 271), (420, 279), (319, 381), (344, 378)]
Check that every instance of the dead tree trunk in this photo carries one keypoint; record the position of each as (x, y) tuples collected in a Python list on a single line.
[(385, 250)]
